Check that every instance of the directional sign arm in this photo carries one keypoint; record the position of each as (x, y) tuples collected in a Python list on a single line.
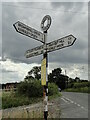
[(61, 43), (28, 31), (71, 40), (15, 26), (34, 52), (52, 46)]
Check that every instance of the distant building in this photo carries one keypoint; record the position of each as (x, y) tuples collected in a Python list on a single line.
[(9, 86)]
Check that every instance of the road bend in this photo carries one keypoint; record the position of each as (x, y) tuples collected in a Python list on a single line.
[(74, 105)]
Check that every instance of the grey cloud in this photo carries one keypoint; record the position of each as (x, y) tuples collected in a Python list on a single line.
[(7, 71), (69, 55), (0, 30), (89, 33), (10, 77), (76, 6), (66, 5), (14, 44)]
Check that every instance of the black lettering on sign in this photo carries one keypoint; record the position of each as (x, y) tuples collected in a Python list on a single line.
[(37, 33), (60, 45), (69, 42), (21, 25), (21, 30), (36, 53), (69, 38)]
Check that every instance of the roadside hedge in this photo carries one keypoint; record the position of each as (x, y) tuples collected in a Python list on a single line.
[(30, 89), (80, 85), (52, 89), (35, 89)]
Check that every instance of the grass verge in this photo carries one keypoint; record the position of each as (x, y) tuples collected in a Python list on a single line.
[(11, 99), (54, 96), (82, 90)]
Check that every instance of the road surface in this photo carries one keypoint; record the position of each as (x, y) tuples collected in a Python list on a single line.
[(74, 105)]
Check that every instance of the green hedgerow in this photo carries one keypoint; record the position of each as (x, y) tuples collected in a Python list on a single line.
[(31, 88), (52, 89), (35, 89)]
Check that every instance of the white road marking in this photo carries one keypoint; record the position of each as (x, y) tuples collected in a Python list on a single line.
[(78, 105), (82, 107), (68, 99), (64, 100), (72, 102)]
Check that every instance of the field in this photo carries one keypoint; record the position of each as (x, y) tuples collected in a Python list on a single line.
[(11, 99)]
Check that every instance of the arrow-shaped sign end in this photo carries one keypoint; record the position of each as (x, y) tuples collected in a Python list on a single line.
[(74, 39), (15, 25), (73, 36)]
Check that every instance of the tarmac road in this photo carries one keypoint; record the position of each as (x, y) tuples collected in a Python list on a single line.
[(74, 105)]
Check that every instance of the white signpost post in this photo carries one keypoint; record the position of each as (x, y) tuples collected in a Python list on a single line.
[(43, 49)]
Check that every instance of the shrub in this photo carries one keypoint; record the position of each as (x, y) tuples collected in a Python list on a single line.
[(79, 85), (30, 88), (35, 89), (70, 85), (52, 89), (89, 84)]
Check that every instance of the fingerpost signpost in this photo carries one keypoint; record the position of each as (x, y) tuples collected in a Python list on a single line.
[(43, 49)]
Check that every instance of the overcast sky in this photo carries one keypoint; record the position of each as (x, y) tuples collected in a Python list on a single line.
[(67, 18)]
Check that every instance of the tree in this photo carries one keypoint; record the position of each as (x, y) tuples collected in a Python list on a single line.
[(71, 82), (36, 71), (28, 78), (77, 79), (58, 78)]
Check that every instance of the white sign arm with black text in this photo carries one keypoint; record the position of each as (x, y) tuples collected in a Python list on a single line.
[(52, 46), (61, 43), (28, 31)]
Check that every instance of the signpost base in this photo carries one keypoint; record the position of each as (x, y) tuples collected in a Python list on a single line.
[(45, 99), (45, 115)]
